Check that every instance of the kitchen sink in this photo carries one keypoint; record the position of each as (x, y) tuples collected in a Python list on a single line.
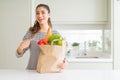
[(94, 55), (87, 57)]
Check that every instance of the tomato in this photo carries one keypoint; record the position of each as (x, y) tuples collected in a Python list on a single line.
[(42, 42)]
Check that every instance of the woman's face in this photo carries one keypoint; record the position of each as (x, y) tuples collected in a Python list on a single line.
[(42, 15)]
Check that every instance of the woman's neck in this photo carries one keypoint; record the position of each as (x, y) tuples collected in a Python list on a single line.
[(44, 28)]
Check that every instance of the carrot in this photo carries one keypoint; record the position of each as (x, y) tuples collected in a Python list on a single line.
[(48, 34)]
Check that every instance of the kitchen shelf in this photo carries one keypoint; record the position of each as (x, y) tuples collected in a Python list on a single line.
[(79, 22)]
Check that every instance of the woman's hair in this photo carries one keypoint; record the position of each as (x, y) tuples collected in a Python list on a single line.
[(36, 27)]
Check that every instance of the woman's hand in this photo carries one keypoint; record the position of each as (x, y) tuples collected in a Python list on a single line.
[(23, 45), (62, 65)]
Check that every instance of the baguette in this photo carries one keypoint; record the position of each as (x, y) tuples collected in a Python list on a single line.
[(48, 34)]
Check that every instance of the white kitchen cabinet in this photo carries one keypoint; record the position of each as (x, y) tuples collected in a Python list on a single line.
[(75, 11), (114, 61), (114, 22)]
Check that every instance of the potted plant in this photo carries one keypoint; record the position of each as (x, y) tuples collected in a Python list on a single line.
[(75, 49), (93, 45)]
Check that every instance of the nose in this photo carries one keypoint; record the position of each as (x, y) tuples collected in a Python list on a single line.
[(40, 15)]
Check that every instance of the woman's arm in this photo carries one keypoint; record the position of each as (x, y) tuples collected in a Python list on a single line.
[(23, 45)]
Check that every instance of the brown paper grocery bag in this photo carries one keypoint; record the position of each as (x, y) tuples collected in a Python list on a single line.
[(50, 56)]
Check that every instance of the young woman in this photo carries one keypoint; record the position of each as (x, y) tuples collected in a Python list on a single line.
[(35, 33)]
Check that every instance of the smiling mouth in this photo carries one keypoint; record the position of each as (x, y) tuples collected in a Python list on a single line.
[(40, 20)]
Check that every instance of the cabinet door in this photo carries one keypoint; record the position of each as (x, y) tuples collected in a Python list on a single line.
[(117, 34), (75, 11)]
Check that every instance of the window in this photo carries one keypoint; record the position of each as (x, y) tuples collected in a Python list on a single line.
[(82, 42)]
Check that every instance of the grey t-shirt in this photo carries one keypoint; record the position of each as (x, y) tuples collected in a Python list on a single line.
[(34, 48)]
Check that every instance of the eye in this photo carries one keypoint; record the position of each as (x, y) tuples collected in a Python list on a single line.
[(37, 13)]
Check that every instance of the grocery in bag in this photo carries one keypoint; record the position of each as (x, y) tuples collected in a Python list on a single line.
[(52, 53)]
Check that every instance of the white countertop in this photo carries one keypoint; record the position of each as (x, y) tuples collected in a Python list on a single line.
[(6, 74)]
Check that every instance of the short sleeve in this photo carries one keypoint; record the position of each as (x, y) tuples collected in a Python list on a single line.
[(28, 35)]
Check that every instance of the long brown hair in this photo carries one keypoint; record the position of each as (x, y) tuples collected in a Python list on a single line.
[(36, 27)]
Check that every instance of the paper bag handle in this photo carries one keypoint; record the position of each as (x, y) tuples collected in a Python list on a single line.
[(54, 41), (63, 41)]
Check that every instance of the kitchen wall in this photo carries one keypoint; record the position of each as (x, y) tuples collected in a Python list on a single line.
[(14, 22)]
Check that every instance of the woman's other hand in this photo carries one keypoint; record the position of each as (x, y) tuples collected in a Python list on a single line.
[(62, 65), (23, 45)]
